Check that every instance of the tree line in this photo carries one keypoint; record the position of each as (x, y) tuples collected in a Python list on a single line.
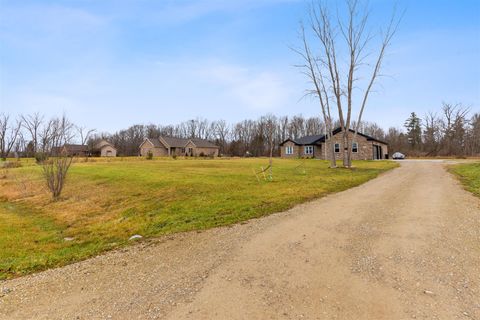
[(451, 131)]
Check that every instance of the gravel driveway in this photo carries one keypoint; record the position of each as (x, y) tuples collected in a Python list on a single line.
[(403, 246)]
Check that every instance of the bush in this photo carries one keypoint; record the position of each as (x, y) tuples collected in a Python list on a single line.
[(55, 173), (174, 157), (202, 154), (149, 155), (40, 157)]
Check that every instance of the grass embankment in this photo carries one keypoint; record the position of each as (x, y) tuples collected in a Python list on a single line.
[(104, 203), (469, 175)]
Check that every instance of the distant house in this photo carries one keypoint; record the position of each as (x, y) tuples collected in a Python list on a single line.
[(103, 148), (71, 150), (169, 146), (364, 147)]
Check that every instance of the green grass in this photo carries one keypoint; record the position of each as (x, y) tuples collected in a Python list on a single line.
[(104, 203), (469, 175)]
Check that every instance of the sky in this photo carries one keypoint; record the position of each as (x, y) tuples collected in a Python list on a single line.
[(113, 63)]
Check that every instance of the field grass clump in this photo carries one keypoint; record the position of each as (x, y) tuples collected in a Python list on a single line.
[(469, 175), (106, 202)]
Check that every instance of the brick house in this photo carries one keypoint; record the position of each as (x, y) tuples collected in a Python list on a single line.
[(364, 148), (169, 146), (101, 149), (104, 148)]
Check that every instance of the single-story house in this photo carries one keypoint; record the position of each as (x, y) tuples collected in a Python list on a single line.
[(364, 148), (71, 150), (103, 148), (169, 146)]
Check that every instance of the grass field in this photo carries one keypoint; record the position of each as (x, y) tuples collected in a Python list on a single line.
[(106, 202), (469, 175)]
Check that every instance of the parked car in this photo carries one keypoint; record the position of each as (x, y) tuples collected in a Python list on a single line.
[(398, 156)]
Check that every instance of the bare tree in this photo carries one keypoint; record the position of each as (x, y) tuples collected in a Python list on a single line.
[(84, 134), (9, 133), (55, 169), (431, 133), (32, 124), (55, 173), (221, 131), (325, 68), (453, 127)]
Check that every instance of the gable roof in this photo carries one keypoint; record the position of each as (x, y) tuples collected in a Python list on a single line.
[(103, 143), (173, 142), (155, 142), (309, 140), (200, 143)]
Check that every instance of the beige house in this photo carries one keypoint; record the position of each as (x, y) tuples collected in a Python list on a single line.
[(363, 148), (104, 148), (169, 146)]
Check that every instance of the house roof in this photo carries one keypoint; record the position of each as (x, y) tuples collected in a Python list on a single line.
[(201, 143), (155, 141), (103, 143), (309, 140), (75, 147), (175, 142)]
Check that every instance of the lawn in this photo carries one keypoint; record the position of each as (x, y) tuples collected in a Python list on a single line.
[(106, 202), (469, 175)]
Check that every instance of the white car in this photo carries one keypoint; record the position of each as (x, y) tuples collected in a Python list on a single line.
[(398, 156)]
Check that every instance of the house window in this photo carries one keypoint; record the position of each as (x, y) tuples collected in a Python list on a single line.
[(337, 147), (355, 147), (190, 151), (308, 149), (288, 150)]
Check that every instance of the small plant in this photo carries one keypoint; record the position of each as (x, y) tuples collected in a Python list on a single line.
[(149, 155), (55, 174), (202, 154), (174, 157), (40, 157)]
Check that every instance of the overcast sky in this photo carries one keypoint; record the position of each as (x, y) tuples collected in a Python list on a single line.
[(109, 64)]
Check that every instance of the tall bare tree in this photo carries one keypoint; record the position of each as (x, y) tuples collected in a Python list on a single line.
[(334, 75), (32, 123), (84, 134), (9, 133)]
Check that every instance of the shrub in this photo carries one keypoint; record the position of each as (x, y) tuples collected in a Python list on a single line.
[(174, 157), (149, 155), (202, 154), (55, 173), (40, 157)]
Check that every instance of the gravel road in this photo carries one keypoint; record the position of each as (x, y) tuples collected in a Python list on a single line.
[(403, 246)]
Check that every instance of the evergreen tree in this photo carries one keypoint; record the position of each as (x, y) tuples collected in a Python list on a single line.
[(414, 130)]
